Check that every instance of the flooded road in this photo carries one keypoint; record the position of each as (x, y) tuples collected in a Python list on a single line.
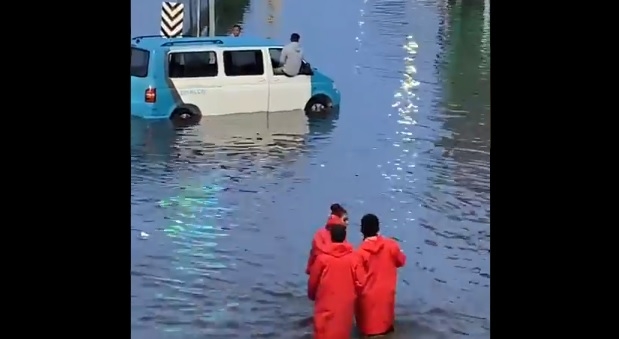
[(230, 206)]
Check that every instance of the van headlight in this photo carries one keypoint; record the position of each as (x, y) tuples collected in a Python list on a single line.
[(334, 87)]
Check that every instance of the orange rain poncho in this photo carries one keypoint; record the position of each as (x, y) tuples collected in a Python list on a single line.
[(321, 239), (335, 279), (375, 311)]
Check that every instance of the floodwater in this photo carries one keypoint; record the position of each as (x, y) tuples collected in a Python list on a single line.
[(230, 205)]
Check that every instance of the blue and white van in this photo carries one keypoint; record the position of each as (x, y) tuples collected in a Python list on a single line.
[(180, 78)]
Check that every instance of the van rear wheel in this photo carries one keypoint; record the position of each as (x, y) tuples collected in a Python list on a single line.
[(184, 117)]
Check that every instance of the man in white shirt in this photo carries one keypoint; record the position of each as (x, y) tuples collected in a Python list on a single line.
[(291, 58)]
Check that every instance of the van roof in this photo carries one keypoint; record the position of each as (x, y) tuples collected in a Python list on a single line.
[(155, 41)]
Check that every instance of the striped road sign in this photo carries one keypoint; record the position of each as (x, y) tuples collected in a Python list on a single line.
[(172, 19)]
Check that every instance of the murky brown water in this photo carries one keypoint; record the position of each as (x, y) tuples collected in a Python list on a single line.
[(230, 207)]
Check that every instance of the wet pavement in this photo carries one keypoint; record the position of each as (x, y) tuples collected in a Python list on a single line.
[(230, 205)]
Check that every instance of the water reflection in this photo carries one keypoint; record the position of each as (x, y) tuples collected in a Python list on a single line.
[(467, 116), (229, 134), (437, 205), (185, 274), (151, 138), (405, 100), (248, 132)]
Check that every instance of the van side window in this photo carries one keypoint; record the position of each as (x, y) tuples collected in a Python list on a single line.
[(275, 53), (139, 62), (192, 64), (240, 63)]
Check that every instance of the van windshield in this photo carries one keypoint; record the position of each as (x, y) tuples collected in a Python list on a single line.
[(139, 62)]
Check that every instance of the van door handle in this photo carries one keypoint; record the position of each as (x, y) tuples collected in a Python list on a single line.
[(262, 80)]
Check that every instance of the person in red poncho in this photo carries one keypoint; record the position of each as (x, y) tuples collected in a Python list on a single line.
[(381, 257), (338, 216), (335, 280)]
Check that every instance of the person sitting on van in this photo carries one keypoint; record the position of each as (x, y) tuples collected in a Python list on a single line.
[(291, 58)]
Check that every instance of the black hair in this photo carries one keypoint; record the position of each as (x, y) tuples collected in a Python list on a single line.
[(369, 225), (237, 26), (295, 37), (338, 210), (338, 233)]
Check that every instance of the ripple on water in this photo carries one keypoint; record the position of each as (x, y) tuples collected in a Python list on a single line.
[(187, 279), (438, 167)]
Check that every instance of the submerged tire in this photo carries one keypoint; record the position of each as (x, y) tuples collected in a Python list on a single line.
[(184, 117), (319, 105)]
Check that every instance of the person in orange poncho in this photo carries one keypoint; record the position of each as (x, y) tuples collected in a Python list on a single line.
[(338, 216), (335, 279), (381, 257)]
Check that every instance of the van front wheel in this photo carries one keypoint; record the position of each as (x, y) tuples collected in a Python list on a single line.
[(320, 104)]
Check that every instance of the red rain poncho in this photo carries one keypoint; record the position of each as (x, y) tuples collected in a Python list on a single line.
[(336, 277), (375, 310), (321, 239)]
